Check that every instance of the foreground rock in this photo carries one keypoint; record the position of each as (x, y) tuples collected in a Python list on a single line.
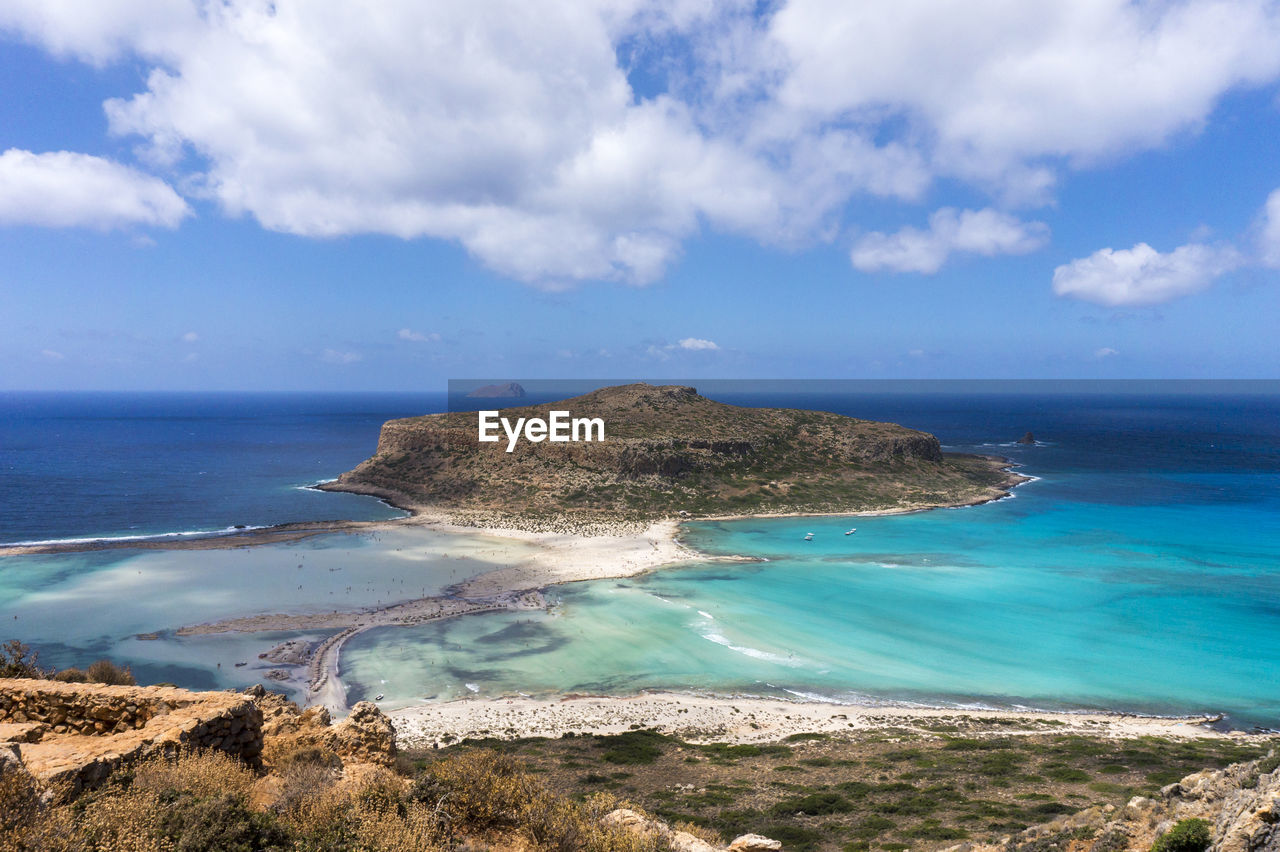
[(71, 736), (683, 841)]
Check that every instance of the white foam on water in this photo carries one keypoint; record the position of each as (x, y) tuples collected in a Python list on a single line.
[(754, 653)]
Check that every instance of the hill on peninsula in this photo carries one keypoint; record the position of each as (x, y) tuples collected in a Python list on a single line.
[(670, 452)]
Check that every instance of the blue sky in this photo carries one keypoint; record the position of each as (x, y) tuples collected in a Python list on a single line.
[(289, 196)]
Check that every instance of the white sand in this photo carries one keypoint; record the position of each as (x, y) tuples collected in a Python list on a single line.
[(745, 720)]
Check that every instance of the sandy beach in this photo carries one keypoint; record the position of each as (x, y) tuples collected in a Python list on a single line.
[(748, 720), (529, 560)]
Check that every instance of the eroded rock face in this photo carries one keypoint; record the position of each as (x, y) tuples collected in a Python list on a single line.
[(1250, 819), (366, 736), (73, 735)]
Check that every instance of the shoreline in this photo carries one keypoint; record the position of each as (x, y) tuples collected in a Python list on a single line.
[(558, 558), (467, 522), (708, 718), (567, 552)]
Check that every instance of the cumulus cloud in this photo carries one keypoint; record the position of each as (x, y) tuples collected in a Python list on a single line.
[(63, 189), (1141, 275), (417, 336), (986, 232), (664, 352), (1105, 352), (513, 129), (1000, 84)]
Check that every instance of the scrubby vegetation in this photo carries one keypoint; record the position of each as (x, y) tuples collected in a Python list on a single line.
[(18, 660), (889, 789), (1188, 835), (922, 788), (205, 802)]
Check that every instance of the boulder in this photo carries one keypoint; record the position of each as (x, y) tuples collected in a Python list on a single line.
[(1250, 819), (754, 843), (367, 736)]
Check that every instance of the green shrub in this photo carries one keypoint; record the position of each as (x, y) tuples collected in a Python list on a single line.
[(1188, 835), (814, 804), (220, 823), (793, 837), (632, 747), (108, 673), (71, 676)]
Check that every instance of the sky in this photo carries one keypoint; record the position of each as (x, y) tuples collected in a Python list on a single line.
[(320, 195)]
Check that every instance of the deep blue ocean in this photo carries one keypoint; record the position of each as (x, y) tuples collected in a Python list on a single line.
[(126, 464), (1140, 571)]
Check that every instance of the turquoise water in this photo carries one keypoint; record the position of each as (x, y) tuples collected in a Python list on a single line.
[(1140, 577), (74, 608), (1141, 572)]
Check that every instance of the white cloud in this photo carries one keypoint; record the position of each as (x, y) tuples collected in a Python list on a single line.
[(997, 84), (511, 128), (337, 356), (52, 355), (986, 232), (190, 337), (696, 344), (1269, 246), (64, 190), (1105, 352), (417, 336), (1141, 275)]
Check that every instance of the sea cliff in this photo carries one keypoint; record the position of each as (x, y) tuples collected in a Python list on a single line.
[(669, 452)]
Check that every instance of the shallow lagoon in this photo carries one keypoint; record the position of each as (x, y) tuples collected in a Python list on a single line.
[(1143, 578), (78, 607)]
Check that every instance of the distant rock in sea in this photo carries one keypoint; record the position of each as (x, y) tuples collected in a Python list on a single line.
[(510, 390), (1027, 439)]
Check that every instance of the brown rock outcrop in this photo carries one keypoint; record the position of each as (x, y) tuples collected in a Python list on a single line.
[(365, 736), (73, 735)]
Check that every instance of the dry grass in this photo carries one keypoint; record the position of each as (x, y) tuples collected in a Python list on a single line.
[(210, 801)]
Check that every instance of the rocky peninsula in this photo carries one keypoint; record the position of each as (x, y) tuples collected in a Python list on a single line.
[(669, 453)]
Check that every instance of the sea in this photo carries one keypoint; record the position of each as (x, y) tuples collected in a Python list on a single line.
[(1139, 570)]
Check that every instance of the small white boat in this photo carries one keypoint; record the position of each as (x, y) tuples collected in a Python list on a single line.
[(378, 697), (808, 536), (850, 532)]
